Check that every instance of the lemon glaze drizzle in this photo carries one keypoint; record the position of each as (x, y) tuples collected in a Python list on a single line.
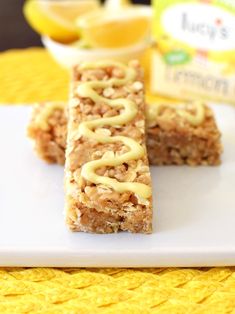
[(86, 129), (42, 119), (153, 111)]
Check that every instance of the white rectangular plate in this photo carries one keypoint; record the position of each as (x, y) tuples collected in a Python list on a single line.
[(194, 210)]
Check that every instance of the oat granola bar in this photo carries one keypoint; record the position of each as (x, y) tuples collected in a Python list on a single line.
[(48, 130), (107, 177), (183, 134), (171, 138)]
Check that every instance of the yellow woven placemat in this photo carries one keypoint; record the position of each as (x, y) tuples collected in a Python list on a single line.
[(31, 75), (147, 291)]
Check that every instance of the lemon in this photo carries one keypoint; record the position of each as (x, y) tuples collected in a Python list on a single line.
[(115, 28), (56, 18)]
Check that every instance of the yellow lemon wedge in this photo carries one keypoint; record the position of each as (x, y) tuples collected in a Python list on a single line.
[(56, 18), (115, 28)]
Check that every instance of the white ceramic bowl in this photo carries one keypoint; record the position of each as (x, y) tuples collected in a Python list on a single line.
[(68, 55)]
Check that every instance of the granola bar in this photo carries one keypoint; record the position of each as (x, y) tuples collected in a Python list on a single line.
[(183, 134), (48, 130), (107, 177), (171, 138)]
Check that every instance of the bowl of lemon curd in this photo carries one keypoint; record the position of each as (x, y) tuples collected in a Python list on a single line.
[(121, 35)]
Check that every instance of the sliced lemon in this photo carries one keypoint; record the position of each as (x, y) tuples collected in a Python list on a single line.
[(56, 18), (115, 28)]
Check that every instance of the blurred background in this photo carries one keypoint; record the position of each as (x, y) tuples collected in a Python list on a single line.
[(14, 31)]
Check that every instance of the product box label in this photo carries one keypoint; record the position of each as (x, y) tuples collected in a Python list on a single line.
[(194, 54)]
